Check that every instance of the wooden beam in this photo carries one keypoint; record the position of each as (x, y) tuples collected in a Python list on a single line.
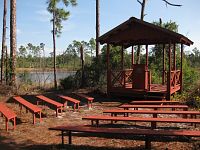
[(169, 75), (147, 56), (122, 57), (108, 68), (181, 75), (132, 55), (174, 50), (164, 66)]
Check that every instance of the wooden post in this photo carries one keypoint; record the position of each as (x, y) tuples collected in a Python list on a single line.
[(108, 69), (147, 55), (169, 75), (174, 56), (164, 66), (132, 55), (122, 58), (181, 75)]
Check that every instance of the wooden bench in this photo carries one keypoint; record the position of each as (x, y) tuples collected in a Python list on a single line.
[(55, 104), (123, 132), (74, 101), (8, 114), (88, 98), (29, 106), (139, 102), (155, 107), (153, 121), (155, 113)]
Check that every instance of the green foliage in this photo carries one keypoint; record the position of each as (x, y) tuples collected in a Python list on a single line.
[(67, 83), (59, 14)]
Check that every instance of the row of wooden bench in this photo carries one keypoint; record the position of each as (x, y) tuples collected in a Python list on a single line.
[(10, 115), (148, 133)]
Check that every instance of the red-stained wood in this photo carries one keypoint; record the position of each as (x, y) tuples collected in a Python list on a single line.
[(148, 133), (70, 99), (164, 66), (169, 74), (29, 106), (181, 75), (47, 100), (8, 114)]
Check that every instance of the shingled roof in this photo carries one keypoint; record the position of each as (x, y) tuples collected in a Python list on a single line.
[(137, 32)]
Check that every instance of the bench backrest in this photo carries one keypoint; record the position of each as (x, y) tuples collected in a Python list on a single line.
[(50, 101), (6, 111), (69, 99), (27, 104)]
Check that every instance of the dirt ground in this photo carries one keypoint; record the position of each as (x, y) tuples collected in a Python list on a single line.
[(38, 137)]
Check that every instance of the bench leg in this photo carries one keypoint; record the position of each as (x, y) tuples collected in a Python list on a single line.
[(56, 112), (14, 123), (147, 143), (62, 132), (74, 107), (6, 124), (33, 118), (153, 125), (78, 106), (40, 116), (70, 137)]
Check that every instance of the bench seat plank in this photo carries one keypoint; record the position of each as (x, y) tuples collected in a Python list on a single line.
[(88, 98), (127, 106), (45, 99), (139, 119), (70, 99), (31, 107), (122, 131), (155, 102), (121, 111), (8, 114)]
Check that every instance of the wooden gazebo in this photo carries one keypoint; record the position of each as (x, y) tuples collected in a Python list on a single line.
[(136, 81)]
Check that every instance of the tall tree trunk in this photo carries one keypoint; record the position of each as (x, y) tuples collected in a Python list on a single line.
[(13, 43), (97, 28), (3, 39), (54, 52), (7, 65), (141, 18)]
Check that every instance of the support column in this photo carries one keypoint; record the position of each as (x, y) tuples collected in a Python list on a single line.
[(147, 56), (169, 75), (108, 69), (174, 67), (181, 75), (122, 58), (164, 66), (132, 55)]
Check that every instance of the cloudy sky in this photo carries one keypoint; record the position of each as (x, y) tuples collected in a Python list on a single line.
[(33, 25)]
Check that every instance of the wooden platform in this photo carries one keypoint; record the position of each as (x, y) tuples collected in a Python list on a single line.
[(157, 91)]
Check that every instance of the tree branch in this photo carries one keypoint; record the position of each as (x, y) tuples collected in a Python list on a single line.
[(168, 3), (139, 2)]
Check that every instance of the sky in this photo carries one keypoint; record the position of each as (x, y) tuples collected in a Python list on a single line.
[(33, 20)]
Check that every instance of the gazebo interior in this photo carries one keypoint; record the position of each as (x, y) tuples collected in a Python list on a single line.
[(136, 81)]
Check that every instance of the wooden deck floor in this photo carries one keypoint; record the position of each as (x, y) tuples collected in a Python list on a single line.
[(156, 90)]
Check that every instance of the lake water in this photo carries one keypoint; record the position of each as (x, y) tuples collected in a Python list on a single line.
[(47, 77)]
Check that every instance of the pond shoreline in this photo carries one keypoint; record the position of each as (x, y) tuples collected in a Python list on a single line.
[(20, 70)]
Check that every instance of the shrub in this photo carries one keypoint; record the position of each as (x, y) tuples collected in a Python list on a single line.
[(67, 83)]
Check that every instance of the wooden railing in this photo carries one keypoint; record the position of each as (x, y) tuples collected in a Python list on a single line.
[(120, 78), (175, 78)]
